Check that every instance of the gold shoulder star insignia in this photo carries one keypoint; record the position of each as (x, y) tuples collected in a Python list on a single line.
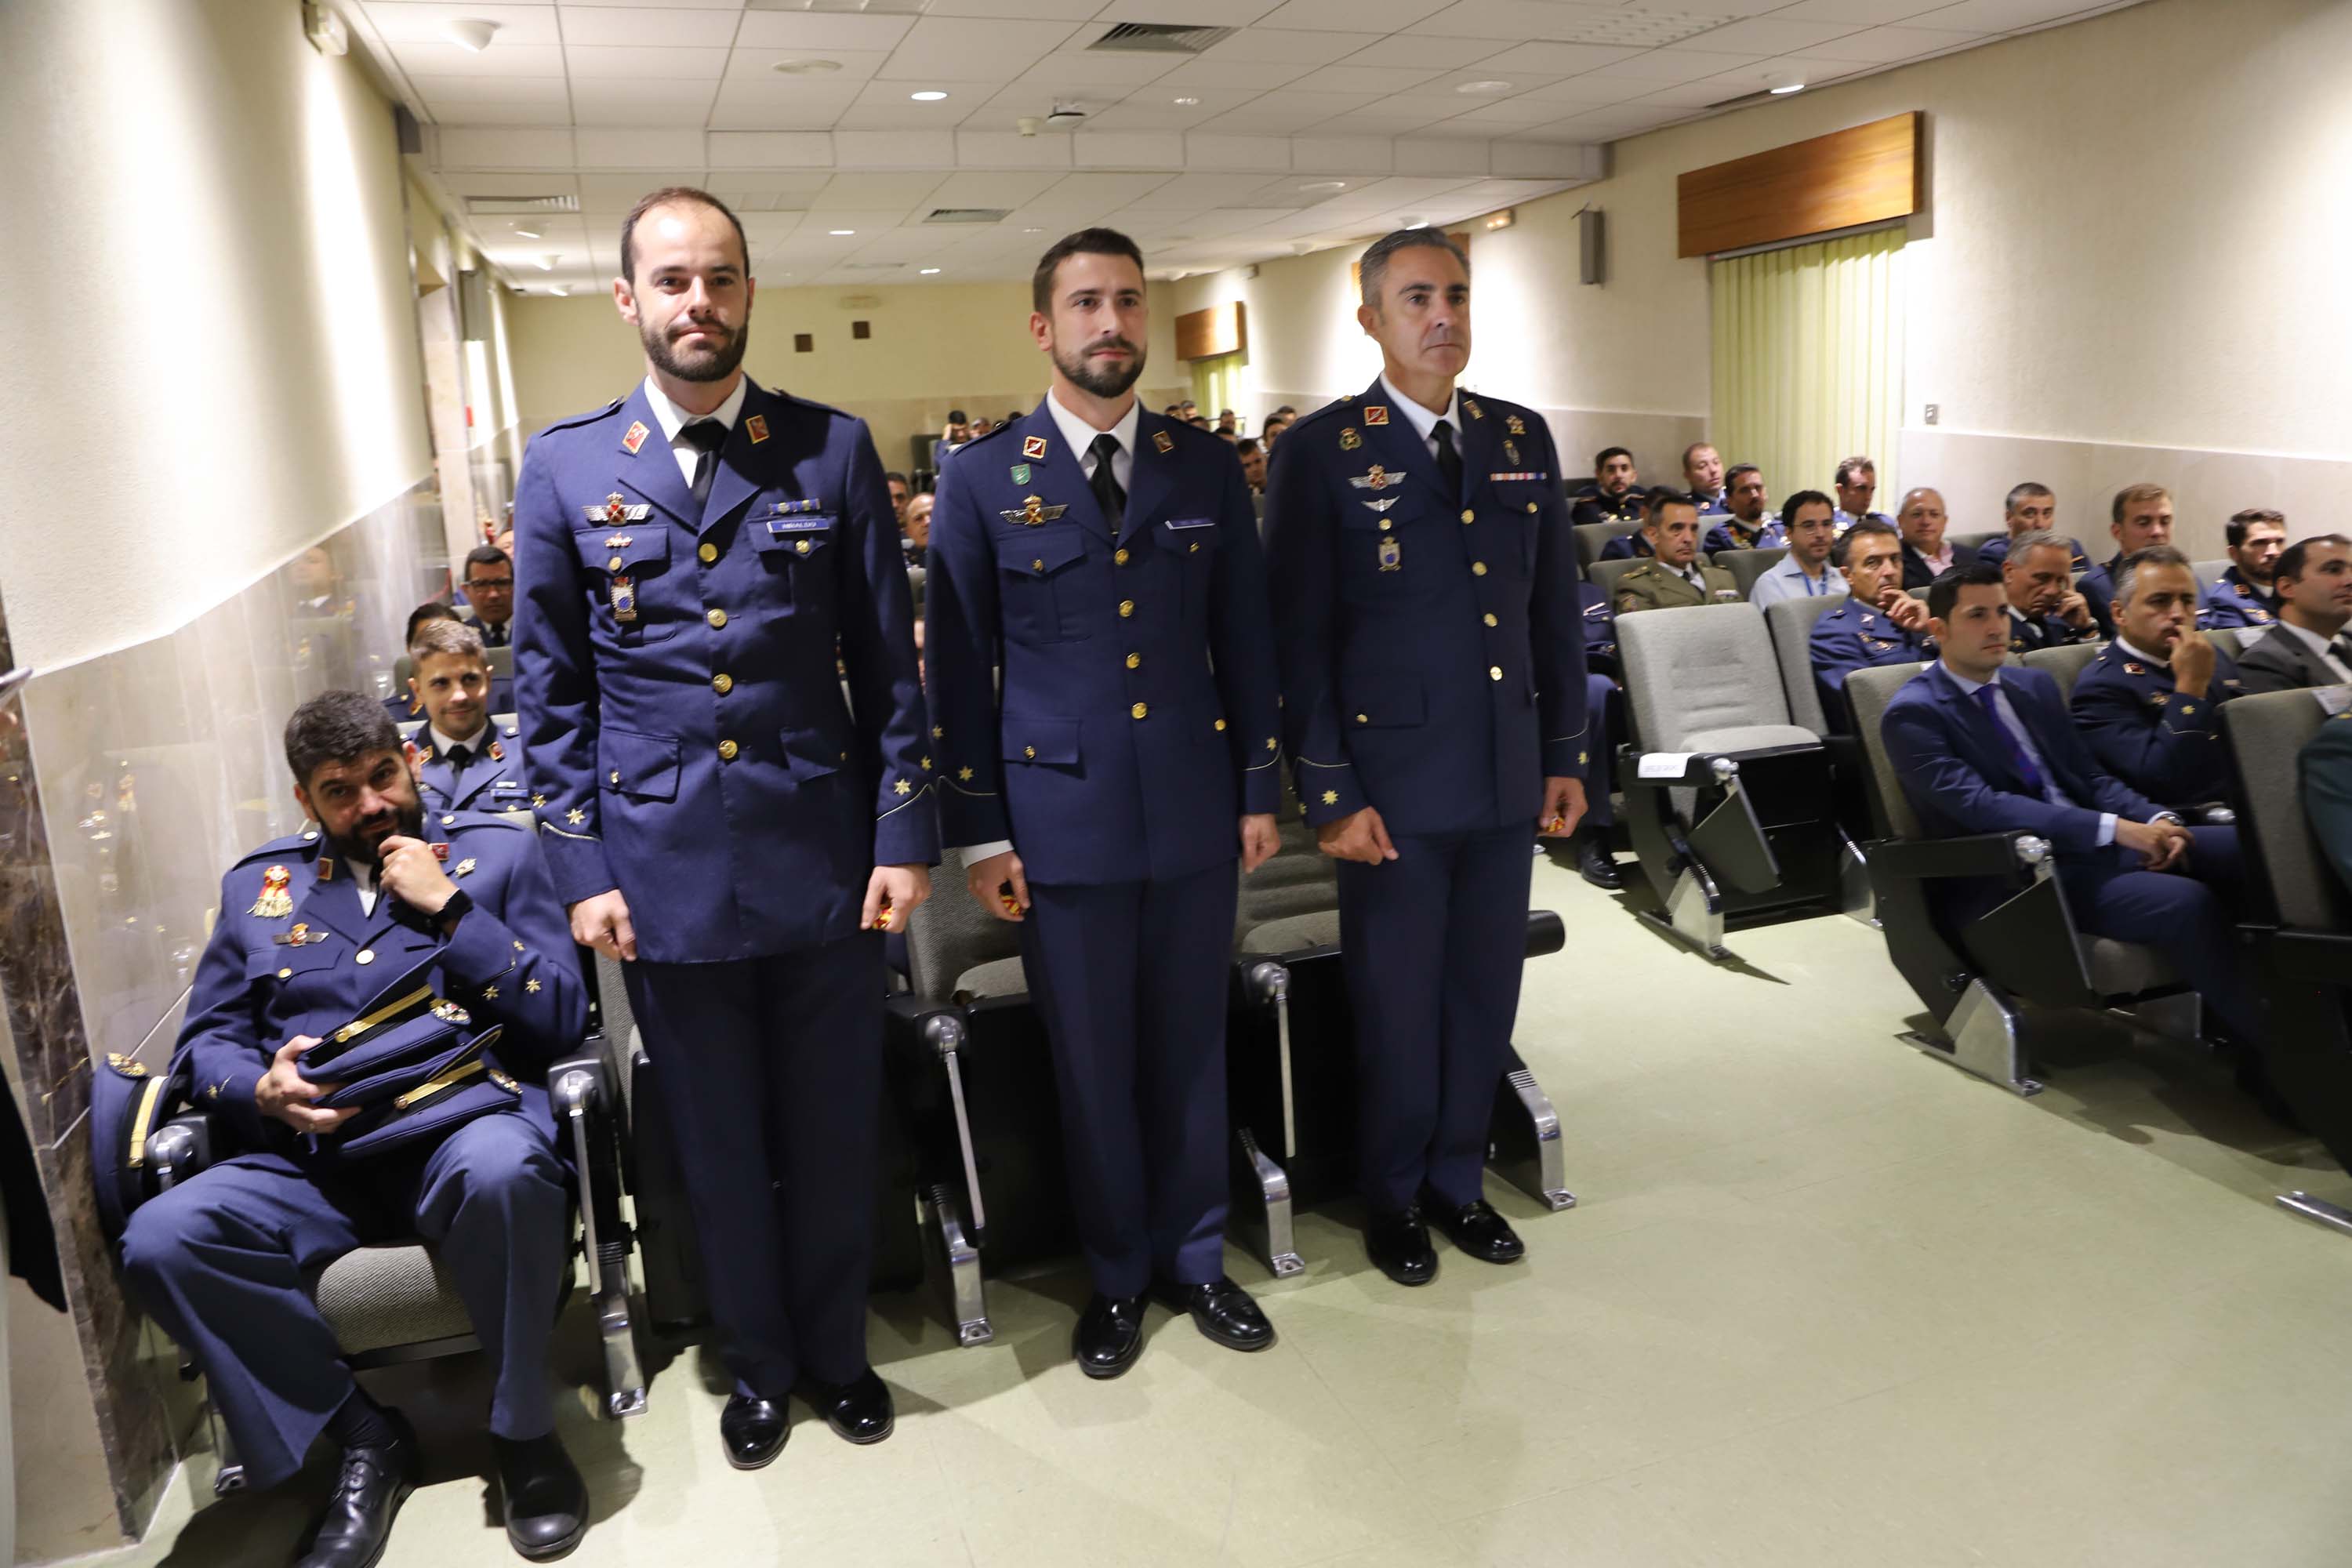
[(901, 787), (926, 765), (576, 816), (965, 774), (1272, 745), (939, 733), (489, 992), (1330, 797), (532, 986), (539, 800)]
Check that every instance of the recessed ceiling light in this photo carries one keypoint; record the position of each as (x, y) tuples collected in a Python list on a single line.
[(1321, 186), (806, 67), (930, 271), (470, 33), (1416, 223), (547, 263), (560, 291), (1033, 231), (1783, 82), (841, 232), (1483, 89), (526, 234), (1186, 102), (928, 95)]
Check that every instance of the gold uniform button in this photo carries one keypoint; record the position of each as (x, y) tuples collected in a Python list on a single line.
[(1030, 752), (1490, 620), (1469, 516), (1120, 556), (726, 750), (1135, 661), (1363, 719), (708, 551), (1139, 709), (1126, 608), (1385, 525), (716, 618), (1221, 726), (614, 564), (285, 975), (1037, 565), (1477, 568), (803, 547), (365, 955), (1494, 672), (722, 683), (616, 776), (1531, 506)]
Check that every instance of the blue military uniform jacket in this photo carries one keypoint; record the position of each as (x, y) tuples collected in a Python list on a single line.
[(1856, 637), (720, 698), (2166, 746), (1136, 723), (1600, 629), (1626, 547), (2029, 633), (2232, 601), (292, 953), (1844, 520), (1733, 535), (1716, 505), (494, 781), (1589, 505), (1431, 643)]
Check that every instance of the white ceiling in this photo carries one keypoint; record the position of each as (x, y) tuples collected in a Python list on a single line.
[(1318, 122)]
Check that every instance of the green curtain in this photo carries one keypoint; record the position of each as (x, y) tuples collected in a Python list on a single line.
[(1215, 380), (1807, 357)]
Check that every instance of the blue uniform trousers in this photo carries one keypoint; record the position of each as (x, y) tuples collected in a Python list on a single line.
[(1130, 978), (1433, 942), (1600, 701), (2187, 917), (771, 1071), (227, 1263)]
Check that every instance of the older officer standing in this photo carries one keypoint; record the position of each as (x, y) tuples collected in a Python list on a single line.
[(692, 556), (1112, 556), (1434, 688)]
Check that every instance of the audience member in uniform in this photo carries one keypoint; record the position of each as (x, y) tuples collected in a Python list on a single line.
[(1857, 484), (1809, 521), (1674, 578), (1252, 457), (464, 763), (1276, 424), (1604, 710), (1614, 494), (489, 594), (1227, 423), (1925, 553), (2031, 508), (2308, 645), (957, 435), (2150, 706), (406, 704), (1983, 749), (318, 588), (1878, 624), (2045, 610), (1703, 478), (2142, 516), (899, 490), (915, 529), (2247, 594), (1748, 522)]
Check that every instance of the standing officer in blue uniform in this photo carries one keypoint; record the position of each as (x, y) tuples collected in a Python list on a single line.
[(465, 763), (1877, 624), (1746, 523), (694, 559), (2247, 594), (2150, 706), (1434, 687), (311, 929), (1110, 559)]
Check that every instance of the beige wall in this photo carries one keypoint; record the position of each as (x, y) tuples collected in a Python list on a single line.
[(2133, 259), (211, 357), (960, 346)]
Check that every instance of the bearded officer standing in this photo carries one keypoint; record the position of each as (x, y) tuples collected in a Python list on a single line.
[(716, 816), (1433, 690), (1113, 558)]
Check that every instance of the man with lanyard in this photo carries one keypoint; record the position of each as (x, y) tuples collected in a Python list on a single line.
[(1804, 573)]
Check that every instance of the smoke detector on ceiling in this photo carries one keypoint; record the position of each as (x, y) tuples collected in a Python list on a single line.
[(1065, 117)]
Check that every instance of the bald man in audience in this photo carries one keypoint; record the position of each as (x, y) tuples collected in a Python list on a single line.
[(2140, 517), (2037, 573), (1878, 624), (2150, 706), (1926, 555), (2031, 508)]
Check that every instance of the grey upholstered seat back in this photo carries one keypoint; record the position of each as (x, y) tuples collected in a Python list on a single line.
[(951, 934), (1706, 667), (1591, 537), (1976, 541), (1791, 623), (1872, 690), (1746, 565), (2267, 732), (1603, 574), (2064, 665), (2208, 572)]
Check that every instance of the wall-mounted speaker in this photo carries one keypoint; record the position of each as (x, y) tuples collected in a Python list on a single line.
[(1589, 242)]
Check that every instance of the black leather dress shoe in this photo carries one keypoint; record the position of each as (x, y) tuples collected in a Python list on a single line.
[(546, 1500), (1477, 1229), (1109, 1335), (1594, 863), (1222, 1310), (1399, 1245), (859, 1411), (753, 1430), (369, 1490)]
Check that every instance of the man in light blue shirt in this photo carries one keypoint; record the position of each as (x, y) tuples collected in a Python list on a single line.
[(1804, 573)]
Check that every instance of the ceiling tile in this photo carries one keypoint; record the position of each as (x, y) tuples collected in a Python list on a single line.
[(1885, 46), (1770, 36), (1158, 112), (1874, 12), (545, 99), (1419, 49), (638, 149), (1192, 13), (408, 22), (478, 183), (1091, 71), (817, 30), (463, 148), (1017, 10), (1511, 111), (1194, 191), (1707, 91), (1663, 66), (1361, 78), (871, 189), (955, 48), (1278, 114), (506, 112), (448, 59), (1278, 47), (1381, 119), (670, 103), (1079, 192), (634, 26), (1350, 16), (1236, 73), (619, 192), (760, 65), (570, 6), (973, 188), (1559, 60), (1999, 16), (1594, 88), (754, 107), (642, 64)]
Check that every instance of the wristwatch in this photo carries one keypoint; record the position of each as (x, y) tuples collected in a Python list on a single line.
[(460, 904)]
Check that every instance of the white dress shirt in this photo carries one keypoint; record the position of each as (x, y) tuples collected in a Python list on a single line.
[(1423, 420), (2024, 738), (2318, 645), (363, 884), (672, 419), (1786, 579)]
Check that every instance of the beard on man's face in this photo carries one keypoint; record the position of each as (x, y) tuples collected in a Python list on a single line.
[(710, 362), (359, 846), (1109, 378)]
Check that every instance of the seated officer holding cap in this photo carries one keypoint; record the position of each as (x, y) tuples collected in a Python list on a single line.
[(464, 763), (312, 929)]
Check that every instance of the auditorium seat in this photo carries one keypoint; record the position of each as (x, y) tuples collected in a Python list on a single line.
[(2208, 573), (1746, 565), (1791, 623), (1591, 537), (1975, 540), (2065, 665)]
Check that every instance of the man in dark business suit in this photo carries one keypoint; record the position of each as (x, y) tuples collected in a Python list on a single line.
[(1983, 749), (2308, 647), (1926, 556)]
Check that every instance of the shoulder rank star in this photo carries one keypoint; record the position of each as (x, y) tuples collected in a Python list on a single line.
[(1350, 441), (1378, 478), (1376, 414), (1514, 425), (1032, 448), (275, 902), (1163, 442), (756, 428), (636, 438), (1033, 511)]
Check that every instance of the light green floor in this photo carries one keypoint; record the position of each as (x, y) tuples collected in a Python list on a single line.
[(1825, 1301)]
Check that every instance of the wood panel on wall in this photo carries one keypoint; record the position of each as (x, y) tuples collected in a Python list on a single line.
[(1868, 174), (1219, 330)]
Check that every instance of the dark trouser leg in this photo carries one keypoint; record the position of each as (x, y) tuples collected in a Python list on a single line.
[(821, 1011), (225, 1264), (493, 1198), (709, 1040), (1187, 939), (1081, 948), (1393, 920), (1600, 698), (1485, 953), (2179, 916)]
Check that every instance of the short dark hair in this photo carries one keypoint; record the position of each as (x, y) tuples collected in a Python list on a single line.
[(1657, 498), (1374, 264), (890, 474), (673, 195), (2128, 569), (1731, 475), (1790, 505), (2234, 530), (1945, 591), (337, 727), (957, 416), (1086, 242), (1856, 465), (1285, 410), (1199, 419), (485, 555), (2018, 493), (1172, 411), (1844, 548), (431, 610), (1600, 459), (1245, 446), (2292, 559)]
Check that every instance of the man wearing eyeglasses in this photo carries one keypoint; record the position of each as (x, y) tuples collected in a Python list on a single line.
[(489, 594)]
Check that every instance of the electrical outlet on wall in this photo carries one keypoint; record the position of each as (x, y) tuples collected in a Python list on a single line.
[(1935, 413)]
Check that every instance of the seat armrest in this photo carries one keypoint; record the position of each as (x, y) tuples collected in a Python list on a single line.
[(2008, 856), (2313, 957), (183, 1146), (1659, 770)]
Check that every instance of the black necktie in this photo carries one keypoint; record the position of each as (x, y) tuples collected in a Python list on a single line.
[(1449, 461), (1108, 494), (459, 757), (706, 436), (2342, 648)]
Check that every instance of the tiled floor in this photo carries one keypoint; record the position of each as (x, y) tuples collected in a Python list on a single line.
[(1825, 1301)]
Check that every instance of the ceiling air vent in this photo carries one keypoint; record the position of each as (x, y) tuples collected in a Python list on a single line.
[(494, 206), (871, 266), (968, 215), (1161, 37)]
